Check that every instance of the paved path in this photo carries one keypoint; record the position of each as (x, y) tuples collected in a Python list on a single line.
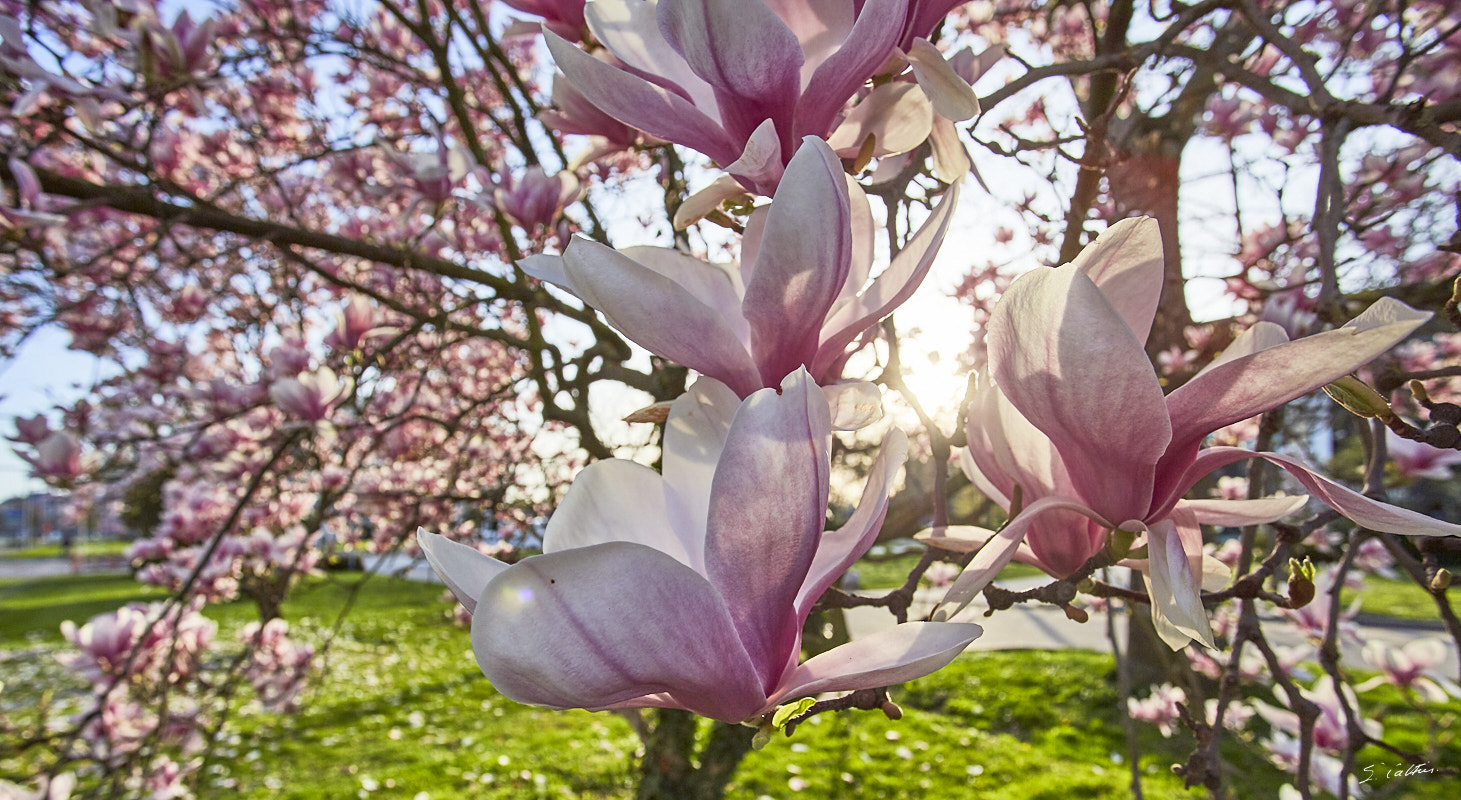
[(1027, 626), (51, 567)]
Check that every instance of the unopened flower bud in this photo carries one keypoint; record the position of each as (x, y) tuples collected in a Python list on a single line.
[(1441, 580), (1358, 398), (891, 710), (1120, 543), (1301, 583)]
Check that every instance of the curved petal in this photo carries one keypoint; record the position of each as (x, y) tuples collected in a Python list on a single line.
[(615, 500), (708, 200), (864, 229), (695, 434), (1066, 359), (1237, 513), (801, 263), (952, 97), (1268, 378), (897, 115), (745, 52), (839, 549), (463, 569), (630, 30), (659, 314), (1371, 514), (891, 656), (602, 625), (864, 50), (998, 552), (1174, 585), (1125, 263), (890, 289), (715, 285), (854, 404), (819, 25), (768, 504), (951, 161), (1261, 336), (760, 166), (639, 103)]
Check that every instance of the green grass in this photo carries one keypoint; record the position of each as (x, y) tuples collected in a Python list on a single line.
[(1400, 598), (891, 572), (87, 549), (404, 710)]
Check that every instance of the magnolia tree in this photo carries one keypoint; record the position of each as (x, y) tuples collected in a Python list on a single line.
[(354, 272)]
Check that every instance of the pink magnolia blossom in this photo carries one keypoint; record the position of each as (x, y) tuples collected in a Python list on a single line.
[(57, 788), (689, 589), (741, 81), (1160, 709), (31, 430), (536, 199), (1420, 460), (796, 300), (1331, 732), (1412, 666), (312, 395), (59, 457), (355, 323), (563, 17), (1075, 418)]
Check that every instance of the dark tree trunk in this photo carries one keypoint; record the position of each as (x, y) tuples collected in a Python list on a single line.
[(669, 771)]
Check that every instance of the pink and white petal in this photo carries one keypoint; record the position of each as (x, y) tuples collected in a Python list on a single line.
[(695, 435), (768, 505), (951, 160), (464, 570), (1174, 588), (1237, 513), (998, 552), (1261, 336), (864, 231), (896, 655), (854, 404), (751, 239), (1125, 263), (841, 74), (1268, 378), (630, 30), (890, 289), (898, 117), (1371, 514), (968, 539), (981, 482), (596, 626), (640, 104), (702, 203), (744, 51), (839, 549), (761, 165), (1067, 360), (820, 26), (952, 97), (718, 286), (615, 500), (802, 261), (659, 314)]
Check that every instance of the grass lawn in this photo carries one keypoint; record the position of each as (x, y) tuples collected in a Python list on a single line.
[(1399, 598), (404, 713), (87, 549)]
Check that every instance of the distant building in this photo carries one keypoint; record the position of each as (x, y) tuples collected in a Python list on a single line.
[(34, 519)]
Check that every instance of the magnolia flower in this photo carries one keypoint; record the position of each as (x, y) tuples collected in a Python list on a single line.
[(59, 456), (689, 589), (31, 430), (433, 175), (796, 300), (537, 198), (354, 324), (57, 788), (1160, 709), (1331, 731), (563, 17), (741, 81), (1075, 418), (1411, 667), (312, 395), (1420, 460)]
